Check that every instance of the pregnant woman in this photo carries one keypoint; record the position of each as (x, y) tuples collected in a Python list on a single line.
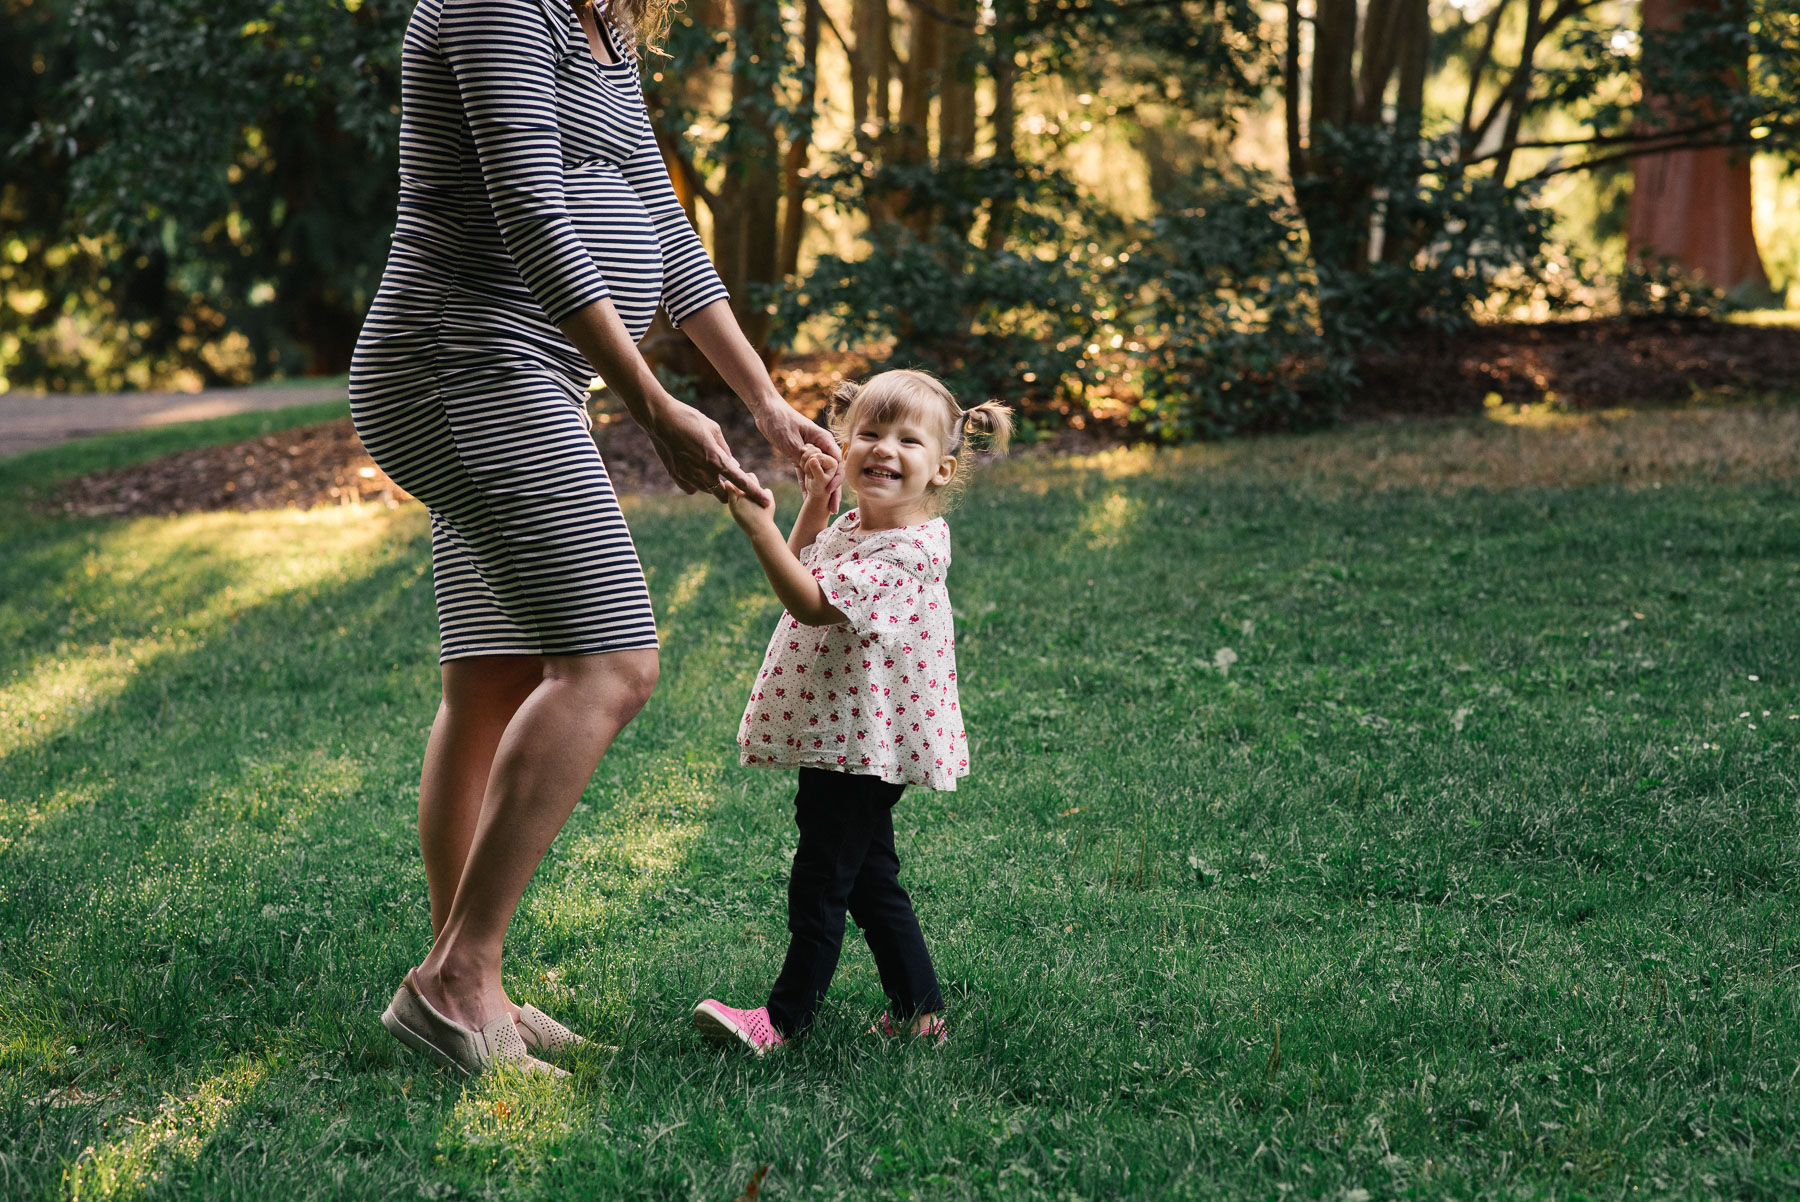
[(537, 233)]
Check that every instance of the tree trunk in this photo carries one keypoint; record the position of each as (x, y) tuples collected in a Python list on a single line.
[(956, 93), (956, 104), (918, 84), (1693, 206), (1412, 58), (872, 89), (1290, 92), (793, 204), (745, 226), (911, 142), (1521, 89), (1380, 51), (1328, 194), (1334, 48), (1005, 120)]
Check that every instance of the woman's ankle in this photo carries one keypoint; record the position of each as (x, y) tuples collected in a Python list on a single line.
[(463, 991)]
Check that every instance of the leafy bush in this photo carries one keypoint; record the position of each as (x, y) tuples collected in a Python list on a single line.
[(1221, 314), (1448, 235), (1014, 321), (991, 324)]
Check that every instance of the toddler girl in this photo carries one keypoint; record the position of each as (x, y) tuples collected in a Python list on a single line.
[(858, 691)]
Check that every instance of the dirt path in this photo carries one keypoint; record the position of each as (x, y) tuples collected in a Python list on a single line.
[(30, 420)]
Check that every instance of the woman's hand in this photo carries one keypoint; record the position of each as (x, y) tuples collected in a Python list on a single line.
[(693, 449), (793, 436)]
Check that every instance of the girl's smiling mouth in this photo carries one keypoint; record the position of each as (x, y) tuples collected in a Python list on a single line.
[(881, 473)]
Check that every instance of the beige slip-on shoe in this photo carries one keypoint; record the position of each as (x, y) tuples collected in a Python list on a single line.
[(548, 1038), (416, 1023)]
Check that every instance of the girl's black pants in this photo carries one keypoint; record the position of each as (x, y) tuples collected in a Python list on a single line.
[(846, 862)]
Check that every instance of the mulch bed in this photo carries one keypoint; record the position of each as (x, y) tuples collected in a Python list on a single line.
[(1584, 365), (1579, 364)]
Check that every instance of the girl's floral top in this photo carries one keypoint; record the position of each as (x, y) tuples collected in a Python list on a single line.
[(874, 695)]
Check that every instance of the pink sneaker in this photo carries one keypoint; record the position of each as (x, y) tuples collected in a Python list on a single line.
[(934, 1028), (721, 1023)]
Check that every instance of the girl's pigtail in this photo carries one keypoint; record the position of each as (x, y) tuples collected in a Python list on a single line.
[(993, 421), (837, 409)]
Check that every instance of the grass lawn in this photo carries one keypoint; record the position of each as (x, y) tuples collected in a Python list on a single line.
[(1327, 839)]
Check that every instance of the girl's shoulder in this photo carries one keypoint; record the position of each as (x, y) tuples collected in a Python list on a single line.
[(933, 534), (922, 549)]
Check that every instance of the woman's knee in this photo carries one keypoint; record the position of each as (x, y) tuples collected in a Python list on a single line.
[(622, 681), (637, 677)]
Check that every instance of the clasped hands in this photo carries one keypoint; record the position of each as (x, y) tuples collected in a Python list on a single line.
[(820, 477), (693, 449)]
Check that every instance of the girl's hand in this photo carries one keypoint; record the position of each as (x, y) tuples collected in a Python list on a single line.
[(818, 472), (752, 513)]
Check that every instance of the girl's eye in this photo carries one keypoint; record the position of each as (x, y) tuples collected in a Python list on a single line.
[(910, 441)]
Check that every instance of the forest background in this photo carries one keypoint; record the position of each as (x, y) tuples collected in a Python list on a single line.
[(1191, 217)]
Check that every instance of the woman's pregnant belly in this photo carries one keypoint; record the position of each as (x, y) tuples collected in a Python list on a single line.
[(614, 226), (437, 312)]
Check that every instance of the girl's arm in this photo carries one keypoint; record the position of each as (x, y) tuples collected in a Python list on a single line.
[(818, 471), (794, 585)]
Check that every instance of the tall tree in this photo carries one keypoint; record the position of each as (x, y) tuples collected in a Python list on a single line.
[(1693, 205)]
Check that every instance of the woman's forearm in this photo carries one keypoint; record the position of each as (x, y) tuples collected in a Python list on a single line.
[(714, 329), (600, 335)]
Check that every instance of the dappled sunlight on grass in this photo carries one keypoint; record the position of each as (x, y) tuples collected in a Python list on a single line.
[(1110, 520), (21, 818), (147, 1150), (515, 1116), (48, 698), (185, 579), (1533, 446), (633, 845), (692, 580)]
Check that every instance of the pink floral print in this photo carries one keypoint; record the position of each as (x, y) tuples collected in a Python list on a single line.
[(874, 695)]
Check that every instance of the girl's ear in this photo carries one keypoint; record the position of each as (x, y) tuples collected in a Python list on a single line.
[(945, 473)]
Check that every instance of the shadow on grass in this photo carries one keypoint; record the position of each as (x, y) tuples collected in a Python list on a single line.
[(209, 870)]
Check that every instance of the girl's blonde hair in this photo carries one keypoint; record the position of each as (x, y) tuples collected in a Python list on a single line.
[(921, 395)]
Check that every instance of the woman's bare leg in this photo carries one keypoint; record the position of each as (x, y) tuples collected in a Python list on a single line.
[(481, 695), (544, 760)]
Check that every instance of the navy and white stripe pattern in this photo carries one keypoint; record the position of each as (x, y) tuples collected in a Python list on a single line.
[(530, 187)]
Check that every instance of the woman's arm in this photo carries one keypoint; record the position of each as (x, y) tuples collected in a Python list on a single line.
[(690, 444), (696, 302), (715, 331), (504, 63)]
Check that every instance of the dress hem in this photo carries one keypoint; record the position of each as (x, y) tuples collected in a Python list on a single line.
[(497, 650), (831, 765)]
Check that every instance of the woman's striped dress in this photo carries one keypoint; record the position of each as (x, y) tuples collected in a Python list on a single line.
[(530, 187)]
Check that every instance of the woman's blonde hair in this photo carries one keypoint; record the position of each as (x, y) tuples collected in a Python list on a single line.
[(921, 395), (642, 22)]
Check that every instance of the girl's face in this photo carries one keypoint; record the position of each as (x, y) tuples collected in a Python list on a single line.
[(892, 464)]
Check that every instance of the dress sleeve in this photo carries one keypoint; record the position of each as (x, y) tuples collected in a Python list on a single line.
[(689, 281), (880, 590), (503, 57)]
